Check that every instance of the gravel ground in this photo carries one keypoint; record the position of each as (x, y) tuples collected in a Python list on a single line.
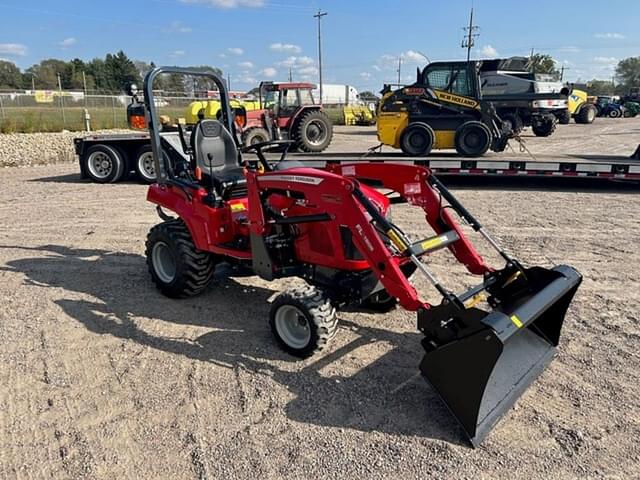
[(105, 378)]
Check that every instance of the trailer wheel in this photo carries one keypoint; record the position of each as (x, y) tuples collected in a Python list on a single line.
[(145, 165), (417, 140), (314, 132), (255, 135), (545, 126), (103, 164), (303, 321), (587, 114), (177, 267), (473, 139)]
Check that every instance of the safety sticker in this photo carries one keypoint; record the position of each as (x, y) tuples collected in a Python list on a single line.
[(516, 321), (411, 188)]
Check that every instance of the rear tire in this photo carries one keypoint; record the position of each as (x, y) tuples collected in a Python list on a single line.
[(417, 140), (303, 321), (103, 164), (473, 139), (586, 115), (514, 121), (564, 118), (545, 127), (314, 132), (380, 302), (615, 113), (145, 165), (255, 135), (177, 267)]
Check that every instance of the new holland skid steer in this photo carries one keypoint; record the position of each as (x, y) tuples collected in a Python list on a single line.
[(331, 227), (442, 110)]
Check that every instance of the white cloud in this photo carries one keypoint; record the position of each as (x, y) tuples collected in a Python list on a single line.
[(14, 49), (296, 62), (605, 60), (178, 27), (235, 51), (388, 62), (489, 52), (415, 57), (245, 65), (376, 68), (269, 72), (285, 47), (177, 53), (308, 71), (227, 3), (365, 76), (67, 42), (223, 55), (610, 35)]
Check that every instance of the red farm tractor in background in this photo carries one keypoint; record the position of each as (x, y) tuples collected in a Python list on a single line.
[(331, 227), (288, 112)]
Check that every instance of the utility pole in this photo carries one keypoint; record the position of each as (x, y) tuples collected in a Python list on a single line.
[(399, 69), (319, 16), (290, 76), (64, 117), (228, 82), (471, 34)]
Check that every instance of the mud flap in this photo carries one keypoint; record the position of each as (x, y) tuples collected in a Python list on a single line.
[(493, 357)]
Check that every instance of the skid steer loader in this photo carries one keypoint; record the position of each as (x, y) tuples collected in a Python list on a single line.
[(331, 227), (442, 110)]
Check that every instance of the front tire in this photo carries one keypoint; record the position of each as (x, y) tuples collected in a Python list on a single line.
[(545, 126), (255, 135), (314, 132), (177, 267), (564, 118), (586, 115), (417, 140), (303, 321), (615, 113), (103, 164), (473, 139)]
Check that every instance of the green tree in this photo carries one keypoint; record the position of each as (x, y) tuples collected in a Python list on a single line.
[(45, 73), (628, 73), (542, 63), (601, 87), (10, 76), (119, 71)]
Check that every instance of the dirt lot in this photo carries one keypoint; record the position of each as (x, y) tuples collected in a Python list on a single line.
[(105, 378)]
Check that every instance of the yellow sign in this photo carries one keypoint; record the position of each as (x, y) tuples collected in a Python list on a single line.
[(457, 99), (44, 96)]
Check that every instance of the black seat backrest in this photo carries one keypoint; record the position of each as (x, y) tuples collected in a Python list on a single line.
[(214, 148)]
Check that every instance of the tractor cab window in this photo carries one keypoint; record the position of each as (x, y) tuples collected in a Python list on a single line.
[(451, 78), (289, 99), (269, 99), (306, 98)]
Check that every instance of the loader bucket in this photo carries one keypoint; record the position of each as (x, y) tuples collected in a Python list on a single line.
[(481, 372)]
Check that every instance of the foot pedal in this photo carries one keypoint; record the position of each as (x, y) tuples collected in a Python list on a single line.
[(432, 244)]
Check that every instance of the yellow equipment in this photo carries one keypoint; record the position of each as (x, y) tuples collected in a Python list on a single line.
[(442, 110), (211, 108), (580, 108)]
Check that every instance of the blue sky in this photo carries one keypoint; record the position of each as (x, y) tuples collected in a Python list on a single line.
[(362, 39)]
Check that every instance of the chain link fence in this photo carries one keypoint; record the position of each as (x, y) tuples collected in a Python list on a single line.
[(54, 111)]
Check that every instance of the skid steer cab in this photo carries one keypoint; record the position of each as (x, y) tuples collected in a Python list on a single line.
[(331, 227), (442, 110)]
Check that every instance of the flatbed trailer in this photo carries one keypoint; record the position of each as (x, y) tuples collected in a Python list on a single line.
[(128, 148)]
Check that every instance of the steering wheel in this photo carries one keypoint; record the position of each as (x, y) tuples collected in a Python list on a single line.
[(257, 148)]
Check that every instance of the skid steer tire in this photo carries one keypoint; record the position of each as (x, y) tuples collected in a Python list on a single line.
[(586, 115), (514, 122), (303, 321), (473, 139), (564, 118), (314, 132), (177, 267), (545, 127), (417, 140), (104, 164), (255, 135)]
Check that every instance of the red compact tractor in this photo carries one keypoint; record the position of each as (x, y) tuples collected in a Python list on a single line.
[(288, 112), (331, 228)]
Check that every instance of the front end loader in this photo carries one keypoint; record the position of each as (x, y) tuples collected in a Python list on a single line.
[(331, 227), (442, 110)]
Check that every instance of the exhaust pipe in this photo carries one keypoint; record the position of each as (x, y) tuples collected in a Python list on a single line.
[(481, 362)]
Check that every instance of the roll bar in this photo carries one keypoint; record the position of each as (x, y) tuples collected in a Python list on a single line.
[(153, 120)]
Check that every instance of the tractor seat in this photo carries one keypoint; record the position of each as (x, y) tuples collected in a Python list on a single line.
[(216, 154)]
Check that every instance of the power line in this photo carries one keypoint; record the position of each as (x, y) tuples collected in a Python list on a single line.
[(319, 16), (471, 34)]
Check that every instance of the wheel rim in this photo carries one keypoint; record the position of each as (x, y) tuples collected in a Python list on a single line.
[(146, 166), (100, 164), (316, 132), (417, 141), (293, 326), (164, 263)]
